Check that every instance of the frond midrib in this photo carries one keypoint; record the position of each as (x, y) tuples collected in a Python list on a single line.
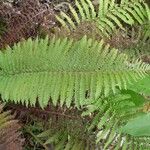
[(114, 71)]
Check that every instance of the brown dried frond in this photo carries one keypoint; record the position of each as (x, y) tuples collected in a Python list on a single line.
[(121, 40), (23, 113), (25, 20), (131, 37), (10, 137), (146, 58)]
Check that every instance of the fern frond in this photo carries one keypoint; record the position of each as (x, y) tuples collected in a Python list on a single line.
[(110, 115), (59, 70), (9, 132), (109, 16)]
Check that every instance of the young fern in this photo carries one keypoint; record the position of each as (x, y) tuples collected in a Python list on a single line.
[(64, 71), (110, 15)]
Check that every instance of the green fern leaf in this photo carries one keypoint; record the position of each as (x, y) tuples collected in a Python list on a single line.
[(65, 72)]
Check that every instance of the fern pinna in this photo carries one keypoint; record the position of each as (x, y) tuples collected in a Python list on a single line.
[(64, 71)]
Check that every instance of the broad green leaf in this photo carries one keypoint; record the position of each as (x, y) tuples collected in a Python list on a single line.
[(139, 126)]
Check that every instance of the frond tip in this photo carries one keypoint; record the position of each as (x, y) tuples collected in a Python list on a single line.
[(64, 71)]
